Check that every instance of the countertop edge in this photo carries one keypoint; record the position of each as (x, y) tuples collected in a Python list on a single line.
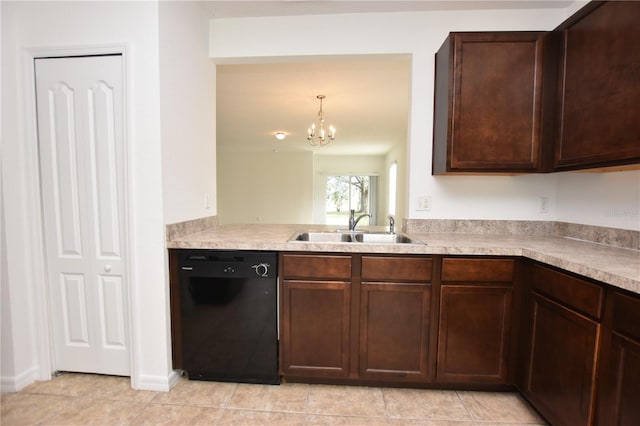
[(596, 261)]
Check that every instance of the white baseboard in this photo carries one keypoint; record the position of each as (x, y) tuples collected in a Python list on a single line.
[(20, 381), (157, 383)]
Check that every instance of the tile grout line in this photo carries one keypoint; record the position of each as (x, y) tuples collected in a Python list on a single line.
[(469, 413)]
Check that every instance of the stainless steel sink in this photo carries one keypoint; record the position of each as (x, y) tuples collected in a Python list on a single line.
[(386, 238), (353, 237), (323, 237)]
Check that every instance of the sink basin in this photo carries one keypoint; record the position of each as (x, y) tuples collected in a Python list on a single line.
[(353, 237), (379, 238), (324, 237)]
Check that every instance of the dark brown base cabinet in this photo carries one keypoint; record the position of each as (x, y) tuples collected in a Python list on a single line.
[(619, 385), (395, 311), (560, 344), (398, 319), (475, 323), (355, 317), (315, 315)]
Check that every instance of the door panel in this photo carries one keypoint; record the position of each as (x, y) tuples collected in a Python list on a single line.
[(81, 141), (61, 127), (104, 168), (73, 299)]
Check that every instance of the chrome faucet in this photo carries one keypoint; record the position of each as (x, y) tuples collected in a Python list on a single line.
[(392, 225), (353, 221)]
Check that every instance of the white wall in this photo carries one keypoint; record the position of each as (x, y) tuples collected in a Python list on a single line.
[(279, 188), (188, 112), (72, 27), (604, 199), (418, 34)]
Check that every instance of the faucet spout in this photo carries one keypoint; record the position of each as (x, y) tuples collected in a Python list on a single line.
[(353, 221), (392, 224)]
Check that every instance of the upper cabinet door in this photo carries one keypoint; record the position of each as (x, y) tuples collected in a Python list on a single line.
[(599, 87), (488, 103)]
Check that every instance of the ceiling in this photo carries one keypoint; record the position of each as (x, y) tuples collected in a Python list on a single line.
[(242, 8), (367, 98)]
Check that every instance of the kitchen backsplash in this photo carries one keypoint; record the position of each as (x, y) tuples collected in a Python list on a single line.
[(610, 236), (176, 230)]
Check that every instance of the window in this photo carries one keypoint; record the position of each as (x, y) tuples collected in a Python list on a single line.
[(345, 193), (393, 171)]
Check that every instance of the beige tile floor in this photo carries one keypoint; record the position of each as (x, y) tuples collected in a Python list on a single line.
[(86, 399)]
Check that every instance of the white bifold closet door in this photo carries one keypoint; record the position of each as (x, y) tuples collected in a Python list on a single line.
[(80, 114)]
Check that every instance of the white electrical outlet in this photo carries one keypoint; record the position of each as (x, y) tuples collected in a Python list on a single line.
[(424, 203), (544, 205)]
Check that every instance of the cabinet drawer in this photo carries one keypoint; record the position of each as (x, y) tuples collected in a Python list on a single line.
[(477, 270), (626, 315), (316, 266), (572, 291), (388, 268)]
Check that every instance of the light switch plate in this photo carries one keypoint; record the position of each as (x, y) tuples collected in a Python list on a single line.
[(424, 203)]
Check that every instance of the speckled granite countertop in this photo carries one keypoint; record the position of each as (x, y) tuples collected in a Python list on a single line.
[(619, 267)]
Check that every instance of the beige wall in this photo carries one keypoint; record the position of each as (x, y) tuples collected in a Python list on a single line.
[(279, 188)]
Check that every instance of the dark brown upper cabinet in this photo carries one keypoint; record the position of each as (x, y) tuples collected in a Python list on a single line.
[(488, 103), (598, 90)]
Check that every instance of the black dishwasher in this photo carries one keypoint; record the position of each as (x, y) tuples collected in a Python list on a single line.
[(228, 312)]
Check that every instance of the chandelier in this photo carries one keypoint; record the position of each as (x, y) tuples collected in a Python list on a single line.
[(323, 137)]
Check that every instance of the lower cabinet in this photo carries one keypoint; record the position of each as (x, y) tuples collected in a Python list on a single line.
[(316, 328), (315, 315), (355, 317), (560, 359), (395, 309), (619, 384), (475, 321)]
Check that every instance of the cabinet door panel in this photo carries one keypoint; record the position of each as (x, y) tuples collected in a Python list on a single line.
[(620, 385), (599, 89), (473, 340), (488, 102), (562, 363), (394, 330), (316, 319)]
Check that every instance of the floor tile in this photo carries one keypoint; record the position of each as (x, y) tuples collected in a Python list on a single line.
[(346, 400), (90, 386), (71, 384), (87, 411), (27, 409), (424, 422), (425, 404), (499, 407), (250, 417), (159, 414), (286, 397), (193, 392), (319, 419)]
